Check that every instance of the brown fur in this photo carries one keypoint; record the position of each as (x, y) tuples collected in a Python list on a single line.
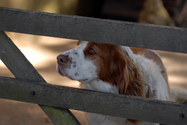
[(116, 68)]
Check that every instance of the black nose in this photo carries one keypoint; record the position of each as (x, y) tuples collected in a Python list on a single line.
[(62, 59)]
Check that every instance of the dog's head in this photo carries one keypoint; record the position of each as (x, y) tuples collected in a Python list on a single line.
[(113, 64)]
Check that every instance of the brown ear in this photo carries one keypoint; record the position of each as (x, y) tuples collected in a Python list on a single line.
[(127, 76)]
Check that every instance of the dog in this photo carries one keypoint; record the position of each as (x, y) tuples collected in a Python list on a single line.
[(114, 69)]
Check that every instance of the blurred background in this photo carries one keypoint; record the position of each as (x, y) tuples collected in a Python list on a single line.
[(41, 51)]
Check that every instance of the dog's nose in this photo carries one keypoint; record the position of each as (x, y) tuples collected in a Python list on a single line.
[(62, 59)]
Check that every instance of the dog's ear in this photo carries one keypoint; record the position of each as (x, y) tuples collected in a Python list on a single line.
[(127, 75)]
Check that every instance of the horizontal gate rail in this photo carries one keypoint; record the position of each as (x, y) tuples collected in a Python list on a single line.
[(95, 30), (132, 107)]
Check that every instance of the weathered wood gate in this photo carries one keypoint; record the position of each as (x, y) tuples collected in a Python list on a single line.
[(29, 86)]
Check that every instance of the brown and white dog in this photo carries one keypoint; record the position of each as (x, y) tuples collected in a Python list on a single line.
[(113, 69)]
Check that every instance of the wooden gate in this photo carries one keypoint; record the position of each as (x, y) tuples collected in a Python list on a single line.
[(29, 86)]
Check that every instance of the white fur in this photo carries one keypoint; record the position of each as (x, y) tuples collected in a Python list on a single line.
[(88, 76), (152, 74), (153, 77), (81, 69)]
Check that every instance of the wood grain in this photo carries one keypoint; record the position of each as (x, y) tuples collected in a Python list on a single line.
[(118, 105), (22, 68), (95, 30)]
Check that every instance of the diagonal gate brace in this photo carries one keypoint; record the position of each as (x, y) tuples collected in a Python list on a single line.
[(20, 67)]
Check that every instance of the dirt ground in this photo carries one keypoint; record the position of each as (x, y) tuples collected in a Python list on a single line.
[(41, 52)]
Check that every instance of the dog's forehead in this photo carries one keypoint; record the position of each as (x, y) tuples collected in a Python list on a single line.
[(82, 44)]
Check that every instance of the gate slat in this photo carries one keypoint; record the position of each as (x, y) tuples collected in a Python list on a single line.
[(95, 30), (22, 68), (118, 105)]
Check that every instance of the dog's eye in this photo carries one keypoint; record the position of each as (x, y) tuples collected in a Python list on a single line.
[(91, 51)]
